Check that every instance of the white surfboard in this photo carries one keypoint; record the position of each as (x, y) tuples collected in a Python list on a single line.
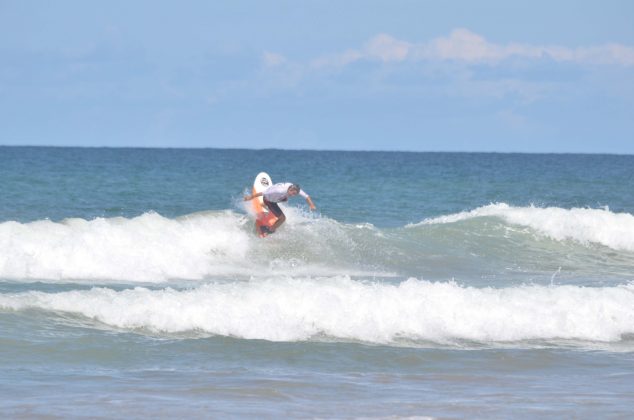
[(260, 184), (262, 215)]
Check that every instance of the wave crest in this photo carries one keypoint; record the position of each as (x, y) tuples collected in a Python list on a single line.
[(153, 248), (601, 226), (299, 309), (145, 248)]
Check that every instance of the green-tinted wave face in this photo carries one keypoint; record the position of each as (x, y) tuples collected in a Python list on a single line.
[(491, 245), (479, 249)]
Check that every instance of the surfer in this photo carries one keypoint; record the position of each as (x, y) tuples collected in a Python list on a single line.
[(276, 194)]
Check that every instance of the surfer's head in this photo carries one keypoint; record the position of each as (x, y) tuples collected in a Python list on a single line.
[(293, 189)]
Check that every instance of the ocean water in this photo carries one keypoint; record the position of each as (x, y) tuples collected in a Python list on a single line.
[(450, 285)]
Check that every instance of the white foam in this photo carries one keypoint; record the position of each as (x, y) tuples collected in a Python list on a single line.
[(614, 230), (145, 248), (153, 248), (292, 309)]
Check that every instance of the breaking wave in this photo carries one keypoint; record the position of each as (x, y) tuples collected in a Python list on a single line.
[(584, 225), (340, 308), (201, 246)]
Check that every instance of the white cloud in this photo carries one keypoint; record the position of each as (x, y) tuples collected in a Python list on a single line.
[(271, 59), (337, 60), (448, 72), (386, 48), (462, 45), (382, 47), (606, 54)]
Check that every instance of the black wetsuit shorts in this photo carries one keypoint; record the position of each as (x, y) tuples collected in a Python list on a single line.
[(277, 211)]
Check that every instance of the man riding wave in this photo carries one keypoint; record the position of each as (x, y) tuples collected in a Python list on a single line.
[(279, 193)]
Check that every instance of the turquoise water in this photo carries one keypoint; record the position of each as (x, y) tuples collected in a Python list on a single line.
[(433, 284)]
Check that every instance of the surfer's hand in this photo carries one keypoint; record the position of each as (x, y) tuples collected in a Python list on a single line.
[(310, 203), (247, 198)]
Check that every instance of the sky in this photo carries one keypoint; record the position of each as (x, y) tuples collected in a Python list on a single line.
[(503, 76)]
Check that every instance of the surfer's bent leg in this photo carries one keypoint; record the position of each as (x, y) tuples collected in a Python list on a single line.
[(277, 211)]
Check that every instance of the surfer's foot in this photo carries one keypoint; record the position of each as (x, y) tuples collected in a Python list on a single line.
[(267, 230)]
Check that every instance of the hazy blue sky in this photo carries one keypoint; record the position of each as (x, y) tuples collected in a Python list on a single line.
[(544, 76)]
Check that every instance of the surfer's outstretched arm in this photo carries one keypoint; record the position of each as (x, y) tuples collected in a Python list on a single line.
[(310, 203), (252, 196)]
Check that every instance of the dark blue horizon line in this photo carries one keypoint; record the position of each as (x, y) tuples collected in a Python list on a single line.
[(313, 150)]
